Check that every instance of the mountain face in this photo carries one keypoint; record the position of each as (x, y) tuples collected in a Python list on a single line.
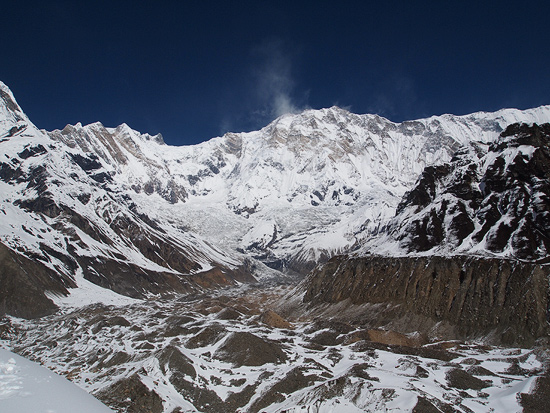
[(129, 213), (492, 200), (63, 210), (463, 252)]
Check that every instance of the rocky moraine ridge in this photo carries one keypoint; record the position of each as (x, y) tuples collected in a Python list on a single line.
[(331, 260)]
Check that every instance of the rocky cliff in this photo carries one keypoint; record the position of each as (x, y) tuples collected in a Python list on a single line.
[(464, 256), (457, 297)]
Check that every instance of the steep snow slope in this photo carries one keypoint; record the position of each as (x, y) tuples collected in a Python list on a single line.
[(298, 190), (490, 200), (27, 387)]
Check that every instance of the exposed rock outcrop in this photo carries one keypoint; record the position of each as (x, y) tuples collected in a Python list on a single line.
[(272, 319), (132, 396), (456, 297), (246, 349), (24, 283)]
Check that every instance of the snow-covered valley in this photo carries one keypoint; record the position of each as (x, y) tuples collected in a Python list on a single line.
[(228, 351)]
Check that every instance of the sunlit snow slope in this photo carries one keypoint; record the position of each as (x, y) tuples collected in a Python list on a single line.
[(299, 189), (27, 387)]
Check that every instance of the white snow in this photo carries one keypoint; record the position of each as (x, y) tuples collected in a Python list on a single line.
[(27, 387), (326, 180), (88, 293)]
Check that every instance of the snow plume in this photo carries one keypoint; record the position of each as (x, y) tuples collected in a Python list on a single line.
[(268, 92), (273, 79)]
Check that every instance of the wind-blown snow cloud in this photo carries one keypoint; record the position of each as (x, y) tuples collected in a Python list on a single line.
[(273, 80), (269, 90)]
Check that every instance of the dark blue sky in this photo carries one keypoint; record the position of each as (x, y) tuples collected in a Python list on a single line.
[(192, 70)]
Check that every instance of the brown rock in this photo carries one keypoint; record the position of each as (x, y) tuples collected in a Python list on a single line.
[(170, 358), (461, 379), (246, 349), (470, 297), (272, 319), (23, 284), (228, 313), (132, 396), (392, 338), (208, 335), (292, 382)]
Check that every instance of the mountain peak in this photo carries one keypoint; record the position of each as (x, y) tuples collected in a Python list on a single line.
[(320, 179), (12, 118)]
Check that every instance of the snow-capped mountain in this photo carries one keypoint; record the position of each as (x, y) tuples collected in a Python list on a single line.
[(293, 192), (466, 254), (94, 219), (128, 212), (64, 216)]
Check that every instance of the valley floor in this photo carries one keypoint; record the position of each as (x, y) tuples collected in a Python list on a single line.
[(231, 352)]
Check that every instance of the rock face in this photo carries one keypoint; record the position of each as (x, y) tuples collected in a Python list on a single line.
[(459, 297), (494, 201), (23, 284), (466, 254)]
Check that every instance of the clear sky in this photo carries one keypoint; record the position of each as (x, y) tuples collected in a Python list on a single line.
[(192, 70)]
